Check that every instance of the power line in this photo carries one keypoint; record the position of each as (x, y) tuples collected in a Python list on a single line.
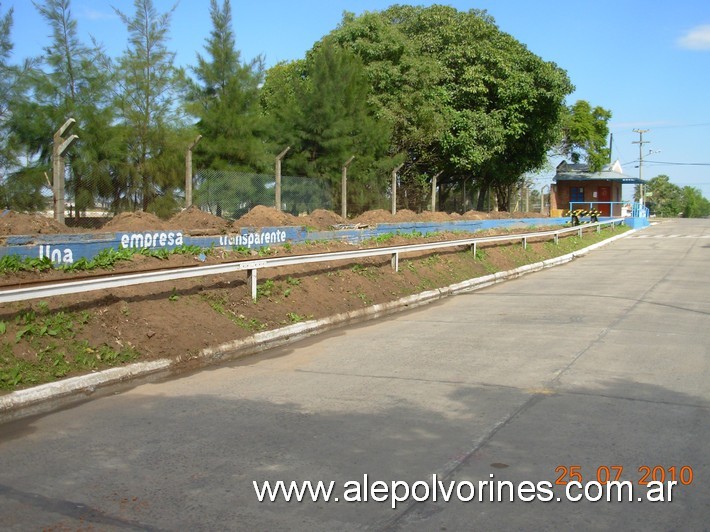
[(678, 164)]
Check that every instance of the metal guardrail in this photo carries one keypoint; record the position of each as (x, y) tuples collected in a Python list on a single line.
[(252, 266)]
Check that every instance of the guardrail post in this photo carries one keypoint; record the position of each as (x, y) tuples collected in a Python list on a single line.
[(599, 228), (557, 239), (395, 262), (525, 243), (580, 231), (473, 248), (251, 282)]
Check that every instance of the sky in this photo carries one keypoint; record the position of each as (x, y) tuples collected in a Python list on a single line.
[(648, 62)]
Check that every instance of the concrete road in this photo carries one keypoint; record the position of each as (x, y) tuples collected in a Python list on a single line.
[(568, 374)]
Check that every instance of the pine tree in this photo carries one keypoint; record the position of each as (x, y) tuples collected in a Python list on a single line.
[(151, 124)]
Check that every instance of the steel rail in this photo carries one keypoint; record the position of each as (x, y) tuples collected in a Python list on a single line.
[(251, 266)]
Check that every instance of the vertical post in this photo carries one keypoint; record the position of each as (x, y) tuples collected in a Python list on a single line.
[(252, 282), (641, 142), (277, 175), (344, 189), (188, 172), (394, 188), (59, 148), (542, 198), (433, 191), (394, 261)]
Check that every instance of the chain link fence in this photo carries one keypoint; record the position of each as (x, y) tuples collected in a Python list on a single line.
[(232, 194), (99, 196)]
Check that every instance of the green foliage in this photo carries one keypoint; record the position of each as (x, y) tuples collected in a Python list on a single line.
[(585, 131), (320, 107), (14, 264), (694, 204), (666, 199), (226, 101), (146, 110), (669, 200), (463, 97), (265, 289), (52, 336)]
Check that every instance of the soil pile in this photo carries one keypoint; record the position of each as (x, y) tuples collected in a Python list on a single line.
[(17, 223), (405, 215), (378, 216), (261, 216), (135, 221), (198, 222), (322, 219)]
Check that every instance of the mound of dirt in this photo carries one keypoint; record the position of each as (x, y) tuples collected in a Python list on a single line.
[(261, 216), (135, 221), (195, 220), (378, 216), (436, 216), (17, 223), (322, 219), (405, 215), (475, 215)]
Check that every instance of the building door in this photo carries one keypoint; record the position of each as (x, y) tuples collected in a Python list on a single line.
[(604, 195)]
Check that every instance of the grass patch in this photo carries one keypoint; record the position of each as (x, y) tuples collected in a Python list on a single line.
[(49, 348)]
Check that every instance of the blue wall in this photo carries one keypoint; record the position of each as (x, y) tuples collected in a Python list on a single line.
[(67, 248)]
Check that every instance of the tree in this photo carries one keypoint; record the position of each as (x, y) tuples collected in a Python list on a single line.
[(153, 130), (481, 104), (584, 135), (21, 187), (326, 118), (226, 100), (666, 199), (694, 205), (8, 85)]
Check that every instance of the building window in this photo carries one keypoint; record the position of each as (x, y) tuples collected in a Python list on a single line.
[(576, 194)]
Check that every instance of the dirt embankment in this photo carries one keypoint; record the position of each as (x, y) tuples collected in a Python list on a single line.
[(68, 335), (196, 221)]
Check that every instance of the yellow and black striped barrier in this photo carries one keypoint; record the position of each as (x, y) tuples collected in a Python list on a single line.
[(579, 213)]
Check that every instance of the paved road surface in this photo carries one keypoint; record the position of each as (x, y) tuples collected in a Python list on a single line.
[(602, 362)]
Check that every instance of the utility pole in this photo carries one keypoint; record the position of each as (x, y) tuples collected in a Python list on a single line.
[(641, 142)]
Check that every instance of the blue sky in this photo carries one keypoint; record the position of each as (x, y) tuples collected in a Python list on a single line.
[(646, 61)]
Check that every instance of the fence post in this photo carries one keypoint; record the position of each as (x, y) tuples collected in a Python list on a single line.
[(433, 191), (59, 148), (188, 172), (394, 188), (344, 189), (277, 174)]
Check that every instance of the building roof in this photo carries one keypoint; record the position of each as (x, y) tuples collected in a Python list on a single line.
[(580, 172)]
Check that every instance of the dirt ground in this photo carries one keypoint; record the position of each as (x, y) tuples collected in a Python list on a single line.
[(178, 319), (194, 220)]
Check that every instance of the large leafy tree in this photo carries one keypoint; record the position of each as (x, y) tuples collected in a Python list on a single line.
[(490, 109), (666, 198), (694, 205), (152, 126), (585, 130)]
